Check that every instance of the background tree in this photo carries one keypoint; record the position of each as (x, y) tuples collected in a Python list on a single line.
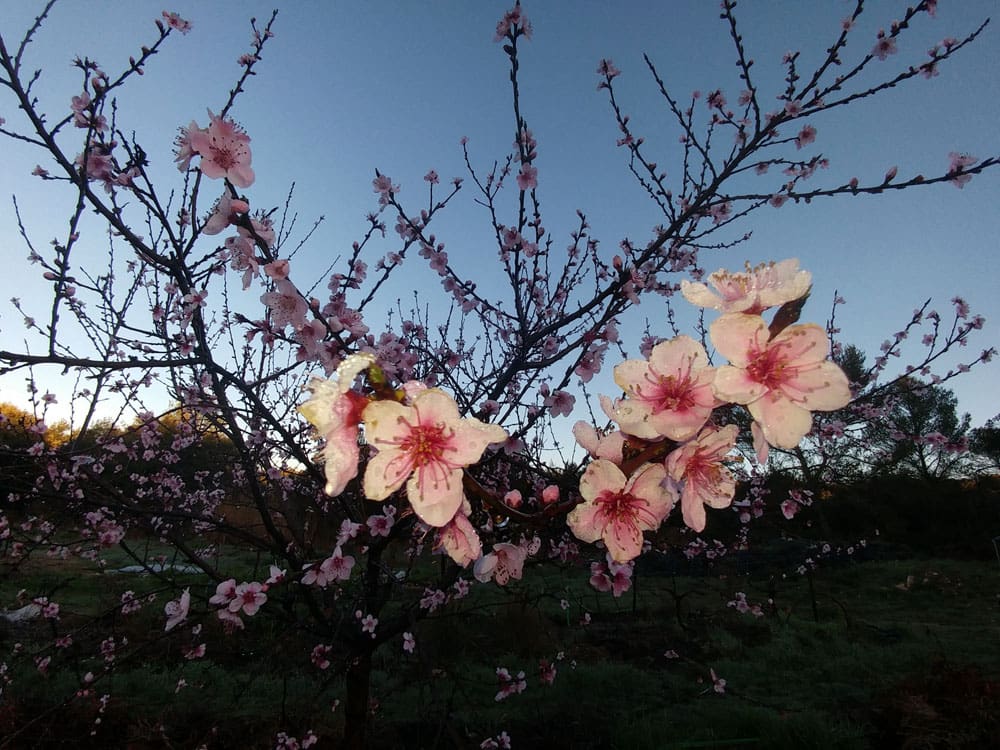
[(985, 442), (922, 435)]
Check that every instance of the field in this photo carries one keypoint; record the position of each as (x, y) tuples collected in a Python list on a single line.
[(897, 653)]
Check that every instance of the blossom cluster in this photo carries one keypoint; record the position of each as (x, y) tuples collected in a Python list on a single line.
[(778, 371), (418, 439), (224, 149), (415, 437)]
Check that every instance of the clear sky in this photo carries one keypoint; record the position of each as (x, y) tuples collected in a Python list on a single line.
[(346, 88)]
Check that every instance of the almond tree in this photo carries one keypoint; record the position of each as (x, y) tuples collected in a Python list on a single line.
[(186, 287)]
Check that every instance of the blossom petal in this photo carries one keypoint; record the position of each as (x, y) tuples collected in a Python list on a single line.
[(736, 335), (826, 387), (678, 356), (435, 500), (386, 422), (623, 540), (460, 541), (784, 423), (584, 522), (699, 294), (599, 477), (692, 508), (386, 472), (805, 342), (734, 384), (647, 483)]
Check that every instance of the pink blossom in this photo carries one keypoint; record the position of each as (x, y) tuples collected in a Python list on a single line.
[(177, 610), (409, 643), (550, 494), (224, 149), (527, 178), (379, 524), (506, 561), (225, 592), (789, 508), (611, 576), (382, 185), (277, 270), (753, 291), (885, 46), (129, 604), (608, 446), (225, 212), (183, 151), (459, 540), (513, 20), (427, 444), (720, 212), (337, 567), (177, 23), (718, 684), (608, 69), (617, 510), (670, 395), (699, 467), (509, 685), (741, 605), (277, 575), (513, 499), (781, 380), (80, 105), (98, 164), (806, 136), (249, 598), (368, 624), (335, 411), (320, 654), (242, 258), (560, 403), (716, 100), (286, 305), (263, 231), (956, 166), (432, 599)]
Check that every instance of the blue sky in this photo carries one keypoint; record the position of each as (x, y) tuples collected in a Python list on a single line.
[(346, 88)]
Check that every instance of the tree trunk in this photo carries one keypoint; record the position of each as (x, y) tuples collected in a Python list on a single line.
[(356, 713)]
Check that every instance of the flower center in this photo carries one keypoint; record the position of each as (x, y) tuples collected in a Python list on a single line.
[(703, 468), (618, 506), (768, 367), (668, 393), (223, 156), (425, 444)]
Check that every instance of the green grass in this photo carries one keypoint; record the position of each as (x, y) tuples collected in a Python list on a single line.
[(841, 678), (793, 680)]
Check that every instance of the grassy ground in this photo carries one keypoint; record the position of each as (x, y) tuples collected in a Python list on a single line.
[(795, 678), (871, 655)]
